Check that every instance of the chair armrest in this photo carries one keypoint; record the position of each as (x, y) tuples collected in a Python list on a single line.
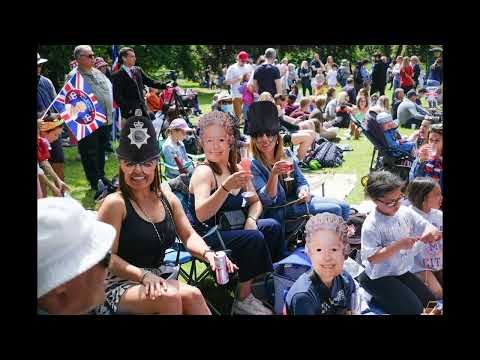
[(196, 158)]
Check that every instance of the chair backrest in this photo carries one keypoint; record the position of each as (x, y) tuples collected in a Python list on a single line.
[(374, 132)]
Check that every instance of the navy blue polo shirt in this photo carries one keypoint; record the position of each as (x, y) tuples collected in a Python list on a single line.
[(310, 296)]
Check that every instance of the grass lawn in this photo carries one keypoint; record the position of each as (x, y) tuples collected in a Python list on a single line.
[(356, 161)]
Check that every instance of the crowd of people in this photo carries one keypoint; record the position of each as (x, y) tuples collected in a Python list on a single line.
[(248, 175)]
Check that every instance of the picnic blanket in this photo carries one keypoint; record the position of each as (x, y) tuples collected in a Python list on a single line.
[(336, 186)]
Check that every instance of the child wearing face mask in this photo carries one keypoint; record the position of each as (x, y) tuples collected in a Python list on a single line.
[(327, 289)]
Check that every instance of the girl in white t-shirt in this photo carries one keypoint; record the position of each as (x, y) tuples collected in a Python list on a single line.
[(425, 197), (392, 235)]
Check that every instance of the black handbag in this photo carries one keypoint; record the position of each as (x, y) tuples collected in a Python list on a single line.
[(231, 220)]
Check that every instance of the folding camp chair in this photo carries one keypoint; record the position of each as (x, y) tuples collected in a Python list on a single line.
[(180, 256), (194, 160), (394, 160)]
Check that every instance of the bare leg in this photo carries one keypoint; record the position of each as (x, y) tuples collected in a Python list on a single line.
[(245, 289), (135, 301), (432, 283), (307, 125), (193, 302), (304, 140)]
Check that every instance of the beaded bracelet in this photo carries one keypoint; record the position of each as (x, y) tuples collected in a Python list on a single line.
[(144, 273)]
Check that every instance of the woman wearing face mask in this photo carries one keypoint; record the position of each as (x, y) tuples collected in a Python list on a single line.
[(217, 187)]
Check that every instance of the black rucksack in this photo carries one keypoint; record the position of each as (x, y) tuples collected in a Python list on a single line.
[(356, 219), (327, 154)]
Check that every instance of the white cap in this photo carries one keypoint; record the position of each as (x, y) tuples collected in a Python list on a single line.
[(40, 60), (70, 241)]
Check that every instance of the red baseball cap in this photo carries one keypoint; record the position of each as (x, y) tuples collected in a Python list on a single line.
[(243, 55)]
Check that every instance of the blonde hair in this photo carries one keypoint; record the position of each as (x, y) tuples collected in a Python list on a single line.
[(266, 96), (305, 101), (328, 221), (321, 101), (341, 96), (384, 102)]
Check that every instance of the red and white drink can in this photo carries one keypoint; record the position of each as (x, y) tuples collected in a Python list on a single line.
[(221, 267)]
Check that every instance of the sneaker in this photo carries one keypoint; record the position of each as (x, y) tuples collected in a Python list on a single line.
[(250, 306), (106, 157), (78, 157)]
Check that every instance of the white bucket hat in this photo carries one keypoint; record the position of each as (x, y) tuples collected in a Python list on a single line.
[(40, 60), (70, 241)]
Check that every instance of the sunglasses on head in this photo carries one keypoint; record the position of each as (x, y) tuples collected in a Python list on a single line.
[(105, 262)]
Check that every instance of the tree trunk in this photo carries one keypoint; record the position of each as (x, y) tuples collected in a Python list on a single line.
[(399, 51)]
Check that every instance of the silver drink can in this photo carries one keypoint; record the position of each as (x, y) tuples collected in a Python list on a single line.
[(221, 267)]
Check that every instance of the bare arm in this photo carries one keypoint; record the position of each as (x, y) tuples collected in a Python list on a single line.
[(278, 84), (58, 182), (113, 211), (201, 184), (44, 180)]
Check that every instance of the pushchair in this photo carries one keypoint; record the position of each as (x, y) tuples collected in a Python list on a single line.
[(394, 160)]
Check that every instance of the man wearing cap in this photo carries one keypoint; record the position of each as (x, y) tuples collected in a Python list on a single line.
[(92, 148), (128, 85), (267, 76), (73, 254), (407, 113), (392, 136), (234, 78), (45, 96)]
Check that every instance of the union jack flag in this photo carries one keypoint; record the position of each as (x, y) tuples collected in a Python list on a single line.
[(79, 108), (115, 63)]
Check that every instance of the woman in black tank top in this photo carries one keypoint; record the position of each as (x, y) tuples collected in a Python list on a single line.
[(147, 221)]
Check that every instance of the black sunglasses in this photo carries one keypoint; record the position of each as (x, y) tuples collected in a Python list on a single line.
[(105, 262)]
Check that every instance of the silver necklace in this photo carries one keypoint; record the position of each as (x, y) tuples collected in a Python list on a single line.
[(151, 222)]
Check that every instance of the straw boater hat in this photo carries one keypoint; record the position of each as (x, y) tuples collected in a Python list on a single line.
[(70, 241), (138, 140)]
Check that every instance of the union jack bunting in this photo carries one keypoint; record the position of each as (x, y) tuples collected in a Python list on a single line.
[(79, 108)]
